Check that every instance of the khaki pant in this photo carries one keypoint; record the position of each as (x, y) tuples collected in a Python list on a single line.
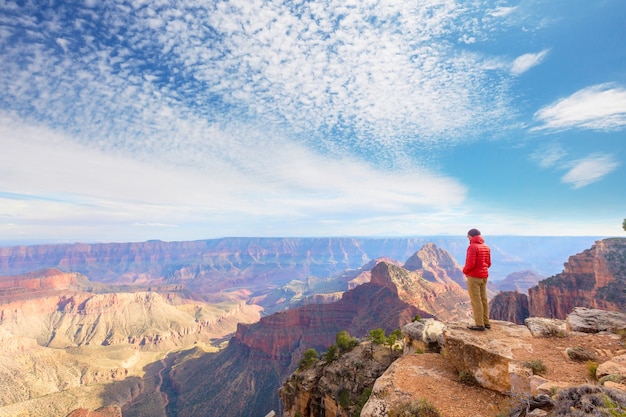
[(477, 289)]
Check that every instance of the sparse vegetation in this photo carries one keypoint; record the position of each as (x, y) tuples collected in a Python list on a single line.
[(393, 338), (537, 366), (419, 408), (377, 336), (468, 378), (309, 357), (365, 395), (592, 368), (592, 400), (345, 342), (417, 318), (613, 378), (580, 354), (343, 397), (331, 354)]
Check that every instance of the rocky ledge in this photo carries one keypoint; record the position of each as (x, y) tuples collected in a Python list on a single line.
[(509, 368)]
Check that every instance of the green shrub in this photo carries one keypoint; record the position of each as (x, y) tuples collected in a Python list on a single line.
[(419, 408), (592, 368), (467, 378), (345, 342), (309, 357), (377, 336), (344, 398), (537, 366), (331, 354), (365, 395)]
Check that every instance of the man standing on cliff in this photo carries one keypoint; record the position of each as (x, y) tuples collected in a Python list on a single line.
[(476, 269)]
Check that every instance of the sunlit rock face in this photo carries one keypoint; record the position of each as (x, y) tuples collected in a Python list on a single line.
[(264, 353), (595, 278)]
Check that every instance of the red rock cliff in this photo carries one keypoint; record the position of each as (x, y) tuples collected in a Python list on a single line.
[(595, 278)]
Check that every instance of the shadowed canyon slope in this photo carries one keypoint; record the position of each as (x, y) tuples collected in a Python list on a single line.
[(261, 355)]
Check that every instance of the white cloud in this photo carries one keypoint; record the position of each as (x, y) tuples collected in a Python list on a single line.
[(549, 156), (589, 170), (599, 107), (49, 180), (384, 73), (523, 63), (503, 11)]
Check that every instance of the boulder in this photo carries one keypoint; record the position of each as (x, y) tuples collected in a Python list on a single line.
[(589, 320), (614, 366), (488, 359), (424, 335), (543, 327)]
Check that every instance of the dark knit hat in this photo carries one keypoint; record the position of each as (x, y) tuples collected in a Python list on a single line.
[(473, 232)]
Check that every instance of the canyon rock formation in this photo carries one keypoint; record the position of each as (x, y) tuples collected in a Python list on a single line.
[(63, 338), (261, 355), (594, 278), (509, 306), (468, 374), (212, 268)]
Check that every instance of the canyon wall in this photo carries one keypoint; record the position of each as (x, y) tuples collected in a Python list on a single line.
[(261, 355), (594, 278)]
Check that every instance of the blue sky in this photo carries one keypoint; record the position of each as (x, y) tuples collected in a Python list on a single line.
[(129, 121)]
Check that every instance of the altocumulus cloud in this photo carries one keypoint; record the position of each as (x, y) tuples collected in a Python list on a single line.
[(588, 170), (257, 108)]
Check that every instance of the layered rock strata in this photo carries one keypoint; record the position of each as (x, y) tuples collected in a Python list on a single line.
[(595, 278), (263, 354)]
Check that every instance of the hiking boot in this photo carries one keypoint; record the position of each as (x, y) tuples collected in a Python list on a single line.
[(478, 328), (487, 326)]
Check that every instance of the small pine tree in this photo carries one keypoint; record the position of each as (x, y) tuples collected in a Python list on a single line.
[(331, 354), (377, 336), (309, 357), (345, 342)]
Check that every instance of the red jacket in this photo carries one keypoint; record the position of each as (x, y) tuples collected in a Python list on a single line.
[(478, 259)]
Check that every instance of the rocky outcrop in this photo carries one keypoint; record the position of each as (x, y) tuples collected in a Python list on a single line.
[(595, 278), (509, 360), (335, 388), (436, 265), (588, 320), (509, 306), (446, 300), (37, 282), (263, 354)]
